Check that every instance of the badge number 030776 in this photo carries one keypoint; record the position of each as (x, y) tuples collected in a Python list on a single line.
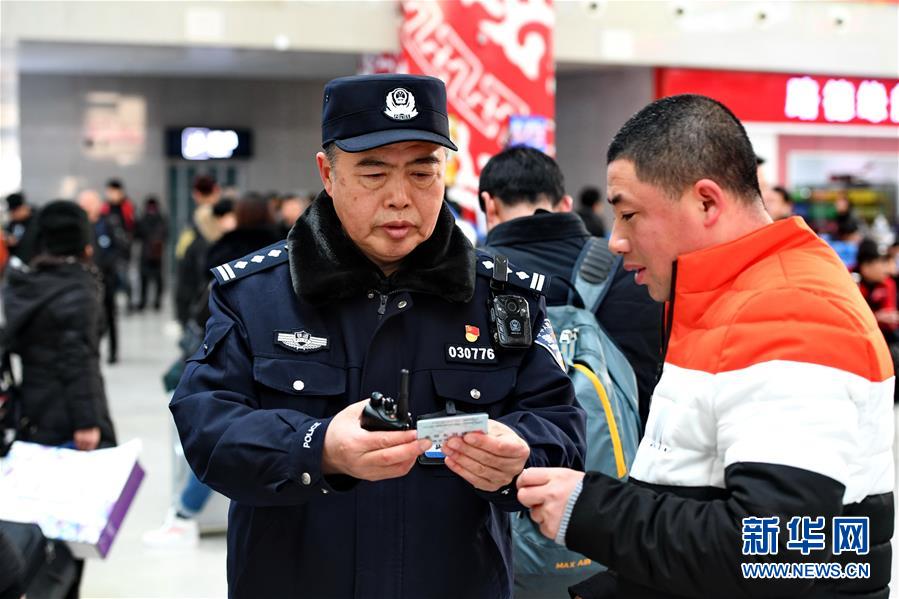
[(475, 354)]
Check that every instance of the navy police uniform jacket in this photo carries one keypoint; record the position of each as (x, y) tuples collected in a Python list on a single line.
[(300, 330)]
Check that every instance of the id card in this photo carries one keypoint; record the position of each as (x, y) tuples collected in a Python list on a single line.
[(438, 430)]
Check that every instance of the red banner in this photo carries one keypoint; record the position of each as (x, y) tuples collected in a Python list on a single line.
[(496, 59), (778, 97)]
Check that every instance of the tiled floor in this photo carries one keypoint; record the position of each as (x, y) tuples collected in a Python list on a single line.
[(140, 410), (139, 407)]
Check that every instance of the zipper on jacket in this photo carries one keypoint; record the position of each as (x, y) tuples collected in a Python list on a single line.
[(384, 297), (668, 320)]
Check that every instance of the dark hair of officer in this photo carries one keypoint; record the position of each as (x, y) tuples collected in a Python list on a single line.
[(679, 140), (115, 184), (330, 150), (589, 197), (520, 175)]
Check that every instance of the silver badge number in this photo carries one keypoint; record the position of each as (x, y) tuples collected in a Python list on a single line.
[(300, 341), (401, 105)]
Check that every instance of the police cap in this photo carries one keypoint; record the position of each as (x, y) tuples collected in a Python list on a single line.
[(367, 111)]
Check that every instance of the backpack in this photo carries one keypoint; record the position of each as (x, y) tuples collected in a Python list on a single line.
[(606, 388)]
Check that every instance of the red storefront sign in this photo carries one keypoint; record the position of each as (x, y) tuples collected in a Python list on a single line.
[(497, 62), (778, 97)]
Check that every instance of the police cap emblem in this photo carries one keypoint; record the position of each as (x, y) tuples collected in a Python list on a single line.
[(401, 105)]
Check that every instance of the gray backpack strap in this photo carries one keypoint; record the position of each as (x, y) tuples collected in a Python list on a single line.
[(594, 271)]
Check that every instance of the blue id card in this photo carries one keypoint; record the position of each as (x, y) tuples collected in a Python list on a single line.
[(438, 430)]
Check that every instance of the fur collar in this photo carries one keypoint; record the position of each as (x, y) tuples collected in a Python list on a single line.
[(326, 265), (206, 224)]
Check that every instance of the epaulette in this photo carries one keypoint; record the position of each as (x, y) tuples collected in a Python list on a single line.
[(258, 261), (529, 280)]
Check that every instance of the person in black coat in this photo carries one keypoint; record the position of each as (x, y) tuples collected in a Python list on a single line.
[(152, 232), (255, 229), (54, 322), (590, 209), (105, 256), (193, 243), (18, 233), (529, 220), (374, 278)]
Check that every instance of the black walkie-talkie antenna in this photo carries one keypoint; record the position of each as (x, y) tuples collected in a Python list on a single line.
[(402, 400)]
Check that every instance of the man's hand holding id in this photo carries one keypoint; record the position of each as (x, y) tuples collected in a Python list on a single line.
[(488, 461)]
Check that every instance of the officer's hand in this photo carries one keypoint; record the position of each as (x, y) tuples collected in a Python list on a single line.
[(368, 455), (87, 439), (489, 462), (546, 491)]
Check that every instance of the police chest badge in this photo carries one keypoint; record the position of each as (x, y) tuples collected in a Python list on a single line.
[(401, 105), (300, 341)]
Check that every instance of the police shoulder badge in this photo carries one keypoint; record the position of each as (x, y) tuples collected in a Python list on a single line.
[(300, 341), (546, 339), (401, 105)]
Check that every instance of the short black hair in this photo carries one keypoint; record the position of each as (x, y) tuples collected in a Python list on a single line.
[(204, 185), (115, 184), (846, 227), (63, 229), (676, 141), (15, 200), (222, 207), (590, 196), (869, 251), (783, 193), (521, 174)]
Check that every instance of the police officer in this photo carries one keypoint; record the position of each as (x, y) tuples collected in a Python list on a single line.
[(373, 278)]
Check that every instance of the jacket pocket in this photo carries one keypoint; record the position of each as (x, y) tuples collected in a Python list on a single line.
[(298, 377), (213, 339), (476, 389)]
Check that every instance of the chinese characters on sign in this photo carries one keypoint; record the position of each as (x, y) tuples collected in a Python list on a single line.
[(791, 98), (496, 60), (840, 100)]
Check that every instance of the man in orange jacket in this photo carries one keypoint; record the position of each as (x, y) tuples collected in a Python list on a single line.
[(766, 468)]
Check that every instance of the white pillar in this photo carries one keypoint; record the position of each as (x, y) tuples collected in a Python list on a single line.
[(10, 156)]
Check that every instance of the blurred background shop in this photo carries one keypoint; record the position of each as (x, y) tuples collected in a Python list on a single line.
[(153, 96)]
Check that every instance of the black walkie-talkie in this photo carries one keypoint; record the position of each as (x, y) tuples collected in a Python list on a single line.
[(388, 414)]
